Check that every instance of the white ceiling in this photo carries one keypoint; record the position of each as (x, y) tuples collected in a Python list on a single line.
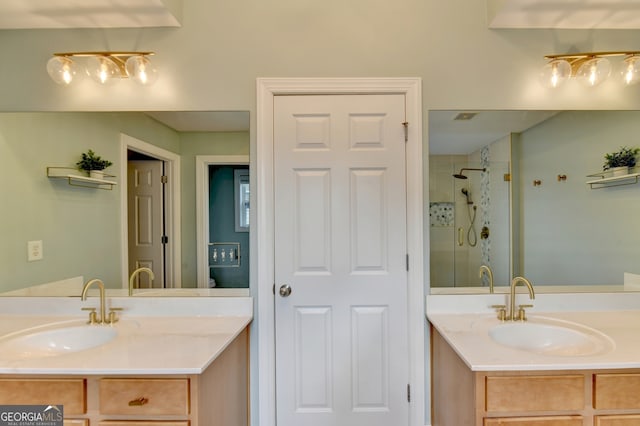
[(584, 14), (458, 137), (22, 14), (564, 14)]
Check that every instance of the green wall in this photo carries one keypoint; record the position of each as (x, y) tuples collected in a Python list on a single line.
[(80, 227), (571, 234)]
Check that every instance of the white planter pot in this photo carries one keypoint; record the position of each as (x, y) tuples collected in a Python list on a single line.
[(96, 174), (619, 171)]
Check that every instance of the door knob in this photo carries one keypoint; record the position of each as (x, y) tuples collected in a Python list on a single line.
[(285, 290)]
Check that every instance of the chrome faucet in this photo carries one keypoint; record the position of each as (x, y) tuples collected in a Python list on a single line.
[(486, 269), (92, 315), (521, 314), (135, 273)]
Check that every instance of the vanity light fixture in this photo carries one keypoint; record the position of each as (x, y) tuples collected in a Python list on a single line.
[(103, 67), (590, 69)]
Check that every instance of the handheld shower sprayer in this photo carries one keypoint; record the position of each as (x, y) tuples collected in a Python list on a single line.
[(466, 193)]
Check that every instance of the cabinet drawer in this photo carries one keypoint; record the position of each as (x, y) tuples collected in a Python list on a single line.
[(68, 392), (619, 420), (144, 396), (535, 421), (75, 422), (617, 391), (143, 423), (535, 393)]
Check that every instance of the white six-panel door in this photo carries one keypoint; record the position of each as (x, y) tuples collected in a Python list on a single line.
[(340, 250), (145, 221)]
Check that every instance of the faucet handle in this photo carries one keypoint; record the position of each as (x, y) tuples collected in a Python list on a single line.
[(93, 316), (113, 316), (522, 316), (502, 311)]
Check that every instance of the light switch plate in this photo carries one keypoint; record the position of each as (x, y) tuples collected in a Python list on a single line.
[(34, 250)]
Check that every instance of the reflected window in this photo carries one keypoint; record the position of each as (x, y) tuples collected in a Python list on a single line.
[(241, 185)]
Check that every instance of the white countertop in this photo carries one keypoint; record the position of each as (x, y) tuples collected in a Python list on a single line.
[(155, 335), (467, 333)]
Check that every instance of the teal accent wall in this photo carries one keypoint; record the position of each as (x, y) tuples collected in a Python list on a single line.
[(222, 226), (191, 145)]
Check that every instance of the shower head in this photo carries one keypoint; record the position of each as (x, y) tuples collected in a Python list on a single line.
[(462, 176)]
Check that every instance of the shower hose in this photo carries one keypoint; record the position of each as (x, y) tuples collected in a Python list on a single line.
[(472, 236)]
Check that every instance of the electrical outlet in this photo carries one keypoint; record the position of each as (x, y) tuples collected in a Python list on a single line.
[(34, 250)]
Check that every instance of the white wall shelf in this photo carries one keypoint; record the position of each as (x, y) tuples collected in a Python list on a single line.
[(607, 180), (74, 179)]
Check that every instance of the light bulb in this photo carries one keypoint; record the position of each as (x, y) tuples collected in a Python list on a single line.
[(594, 71), (102, 69), (555, 73), (62, 70), (141, 70), (631, 70)]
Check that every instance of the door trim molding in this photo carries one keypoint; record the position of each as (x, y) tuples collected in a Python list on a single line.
[(202, 208), (173, 203), (263, 386)]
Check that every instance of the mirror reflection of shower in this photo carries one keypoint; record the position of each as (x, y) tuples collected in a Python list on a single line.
[(461, 175), (454, 261), (472, 236)]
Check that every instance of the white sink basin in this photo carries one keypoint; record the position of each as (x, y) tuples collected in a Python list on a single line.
[(53, 340), (550, 337)]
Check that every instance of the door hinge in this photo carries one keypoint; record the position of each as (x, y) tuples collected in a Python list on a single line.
[(164, 179), (408, 393), (164, 239), (406, 131), (274, 289), (407, 262)]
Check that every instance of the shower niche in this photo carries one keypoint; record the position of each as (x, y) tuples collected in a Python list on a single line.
[(468, 218)]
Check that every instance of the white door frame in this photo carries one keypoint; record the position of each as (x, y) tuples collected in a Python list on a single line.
[(172, 212), (202, 208), (267, 88)]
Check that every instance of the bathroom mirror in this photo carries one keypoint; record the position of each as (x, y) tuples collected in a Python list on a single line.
[(524, 204), (57, 229)]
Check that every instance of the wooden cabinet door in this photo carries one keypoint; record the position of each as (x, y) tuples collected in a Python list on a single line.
[(617, 391), (71, 393), (535, 421), (144, 396), (143, 423), (618, 420), (535, 393)]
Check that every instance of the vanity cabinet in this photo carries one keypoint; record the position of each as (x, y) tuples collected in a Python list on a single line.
[(217, 397), (529, 398)]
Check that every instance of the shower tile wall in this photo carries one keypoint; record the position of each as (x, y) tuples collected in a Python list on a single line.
[(442, 231), (493, 196)]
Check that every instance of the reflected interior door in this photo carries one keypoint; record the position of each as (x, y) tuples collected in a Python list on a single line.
[(340, 260), (146, 220)]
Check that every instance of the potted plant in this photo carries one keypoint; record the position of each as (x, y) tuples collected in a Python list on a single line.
[(620, 161), (93, 164)]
